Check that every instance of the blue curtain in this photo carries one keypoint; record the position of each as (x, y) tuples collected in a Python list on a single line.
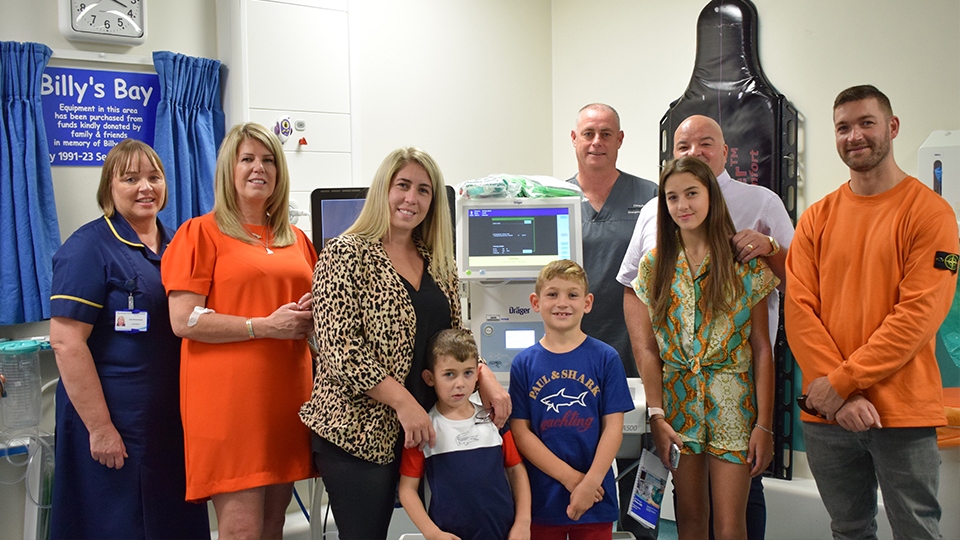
[(29, 233), (190, 127)]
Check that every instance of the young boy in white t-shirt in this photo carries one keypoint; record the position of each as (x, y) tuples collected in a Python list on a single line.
[(479, 487)]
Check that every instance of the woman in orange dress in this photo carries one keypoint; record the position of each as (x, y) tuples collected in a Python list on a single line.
[(238, 282)]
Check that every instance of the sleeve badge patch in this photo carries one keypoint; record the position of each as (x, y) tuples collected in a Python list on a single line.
[(946, 261)]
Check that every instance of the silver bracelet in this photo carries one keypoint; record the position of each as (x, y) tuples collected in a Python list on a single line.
[(770, 431)]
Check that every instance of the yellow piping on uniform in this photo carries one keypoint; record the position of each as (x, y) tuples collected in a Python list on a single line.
[(76, 299), (118, 236)]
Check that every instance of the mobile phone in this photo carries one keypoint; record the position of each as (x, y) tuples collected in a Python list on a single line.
[(802, 403), (674, 456)]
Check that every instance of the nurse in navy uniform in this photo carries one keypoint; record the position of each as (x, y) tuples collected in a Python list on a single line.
[(119, 441)]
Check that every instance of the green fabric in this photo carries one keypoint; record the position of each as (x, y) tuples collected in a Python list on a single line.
[(535, 190), (948, 345), (503, 186)]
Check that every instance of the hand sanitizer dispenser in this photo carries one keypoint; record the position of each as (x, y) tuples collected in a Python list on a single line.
[(938, 165)]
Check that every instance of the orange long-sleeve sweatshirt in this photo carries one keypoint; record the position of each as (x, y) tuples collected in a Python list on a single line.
[(865, 298)]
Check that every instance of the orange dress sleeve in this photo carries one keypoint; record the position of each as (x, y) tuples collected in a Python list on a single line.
[(189, 261)]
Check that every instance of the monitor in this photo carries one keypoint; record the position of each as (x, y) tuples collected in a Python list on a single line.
[(333, 210), (507, 239)]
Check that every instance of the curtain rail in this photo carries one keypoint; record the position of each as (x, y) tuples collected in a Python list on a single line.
[(109, 58)]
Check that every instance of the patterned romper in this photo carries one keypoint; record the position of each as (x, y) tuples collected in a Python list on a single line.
[(709, 395)]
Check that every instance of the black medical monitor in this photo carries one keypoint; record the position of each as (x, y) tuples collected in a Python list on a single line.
[(333, 210)]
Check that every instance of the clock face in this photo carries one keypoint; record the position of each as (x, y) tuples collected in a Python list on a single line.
[(121, 18)]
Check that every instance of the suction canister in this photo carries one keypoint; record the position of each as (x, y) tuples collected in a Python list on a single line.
[(20, 368)]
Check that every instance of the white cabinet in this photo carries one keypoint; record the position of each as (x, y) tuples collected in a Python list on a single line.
[(292, 58)]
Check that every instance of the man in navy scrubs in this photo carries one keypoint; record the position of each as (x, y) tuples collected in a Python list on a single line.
[(614, 199)]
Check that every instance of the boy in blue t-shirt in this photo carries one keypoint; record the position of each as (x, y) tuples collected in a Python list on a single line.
[(569, 393), (478, 484)]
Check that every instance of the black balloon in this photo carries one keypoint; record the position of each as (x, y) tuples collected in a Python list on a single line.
[(759, 124)]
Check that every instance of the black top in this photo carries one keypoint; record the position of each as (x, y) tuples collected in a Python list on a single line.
[(433, 315)]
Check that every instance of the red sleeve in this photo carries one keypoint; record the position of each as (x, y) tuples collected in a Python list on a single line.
[(411, 463), (511, 456)]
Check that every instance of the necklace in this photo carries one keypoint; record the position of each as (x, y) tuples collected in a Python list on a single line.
[(695, 266), (266, 245)]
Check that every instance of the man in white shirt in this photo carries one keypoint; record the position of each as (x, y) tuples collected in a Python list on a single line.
[(764, 230)]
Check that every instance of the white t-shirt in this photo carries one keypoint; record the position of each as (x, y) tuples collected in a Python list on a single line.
[(750, 206)]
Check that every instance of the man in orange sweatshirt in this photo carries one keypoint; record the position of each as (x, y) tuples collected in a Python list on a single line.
[(871, 274)]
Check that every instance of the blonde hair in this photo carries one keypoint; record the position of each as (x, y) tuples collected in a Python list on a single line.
[(722, 285), (435, 230), (123, 158), (563, 269), (226, 209)]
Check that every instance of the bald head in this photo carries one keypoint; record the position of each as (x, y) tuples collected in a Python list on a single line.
[(701, 137), (601, 109)]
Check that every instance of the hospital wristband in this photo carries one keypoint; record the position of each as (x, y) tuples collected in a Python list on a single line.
[(250, 329), (653, 412)]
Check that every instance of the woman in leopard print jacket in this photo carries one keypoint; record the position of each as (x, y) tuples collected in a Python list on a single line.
[(381, 290)]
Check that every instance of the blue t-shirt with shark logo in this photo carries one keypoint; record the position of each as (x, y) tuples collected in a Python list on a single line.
[(564, 396)]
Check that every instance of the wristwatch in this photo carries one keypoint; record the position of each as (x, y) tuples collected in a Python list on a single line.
[(775, 245)]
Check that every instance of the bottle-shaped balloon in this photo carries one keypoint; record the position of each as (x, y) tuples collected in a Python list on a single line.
[(759, 124)]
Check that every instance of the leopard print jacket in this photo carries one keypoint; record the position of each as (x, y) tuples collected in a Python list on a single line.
[(365, 328)]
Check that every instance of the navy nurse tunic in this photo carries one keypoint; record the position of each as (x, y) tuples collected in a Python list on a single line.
[(93, 273)]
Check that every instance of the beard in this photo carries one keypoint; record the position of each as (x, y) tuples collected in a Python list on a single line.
[(879, 150)]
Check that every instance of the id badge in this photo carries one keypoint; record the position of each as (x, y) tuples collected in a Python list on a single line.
[(131, 322)]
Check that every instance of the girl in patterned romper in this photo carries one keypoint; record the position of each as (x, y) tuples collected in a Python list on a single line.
[(708, 379)]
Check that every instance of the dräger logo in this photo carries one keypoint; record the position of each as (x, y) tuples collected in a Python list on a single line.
[(519, 310)]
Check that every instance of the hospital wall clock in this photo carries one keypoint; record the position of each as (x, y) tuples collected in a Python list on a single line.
[(121, 22)]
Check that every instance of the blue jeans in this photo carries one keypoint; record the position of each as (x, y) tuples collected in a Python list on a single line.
[(848, 467)]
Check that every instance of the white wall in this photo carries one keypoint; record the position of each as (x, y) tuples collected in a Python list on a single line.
[(638, 56), (469, 82), (292, 59)]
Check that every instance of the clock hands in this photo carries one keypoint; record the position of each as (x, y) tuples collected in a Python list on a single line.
[(121, 15)]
